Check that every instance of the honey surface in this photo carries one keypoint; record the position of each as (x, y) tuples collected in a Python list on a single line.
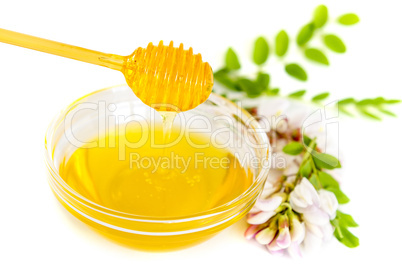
[(186, 180)]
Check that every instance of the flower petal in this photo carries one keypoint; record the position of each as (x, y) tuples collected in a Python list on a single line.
[(304, 197), (297, 230), (260, 217), (273, 246), (294, 250), (309, 189), (329, 203), (297, 203), (328, 231), (311, 242), (283, 239), (251, 231), (269, 204), (254, 210), (265, 236), (316, 216), (315, 230)]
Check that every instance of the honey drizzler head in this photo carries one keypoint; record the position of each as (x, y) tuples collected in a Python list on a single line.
[(161, 75)]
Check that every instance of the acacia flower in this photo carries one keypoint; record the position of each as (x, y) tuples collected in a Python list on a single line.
[(304, 198)]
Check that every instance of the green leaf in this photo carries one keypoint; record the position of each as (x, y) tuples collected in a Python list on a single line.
[(348, 19), (334, 43), (297, 94), (343, 110), (369, 114), (273, 91), (305, 34), (378, 101), (365, 102), (263, 80), (346, 237), (327, 180), (249, 87), (392, 101), (342, 198), (316, 55), (261, 51), (314, 181), (296, 71), (231, 60), (325, 161), (346, 101), (345, 220), (281, 43), (223, 77), (306, 140), (320, 97), (387, 112), (320, 16), (293, 148), (306, 169)]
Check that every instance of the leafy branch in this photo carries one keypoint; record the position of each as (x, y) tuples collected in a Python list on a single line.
[(259, 85), (313, 168)]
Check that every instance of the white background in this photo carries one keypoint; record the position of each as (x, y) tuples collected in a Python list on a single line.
[(36, 230)]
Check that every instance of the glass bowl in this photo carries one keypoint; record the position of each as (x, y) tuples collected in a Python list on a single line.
[(76, 125)]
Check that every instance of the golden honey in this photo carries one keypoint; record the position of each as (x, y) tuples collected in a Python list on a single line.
[(148, 181)]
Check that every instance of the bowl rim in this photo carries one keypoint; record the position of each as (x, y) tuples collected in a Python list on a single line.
[(48, 153)]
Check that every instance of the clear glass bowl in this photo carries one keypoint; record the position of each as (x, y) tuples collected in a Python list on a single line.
[(80, 121)]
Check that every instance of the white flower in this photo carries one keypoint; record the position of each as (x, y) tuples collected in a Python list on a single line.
[(329, 203), (304, 198)]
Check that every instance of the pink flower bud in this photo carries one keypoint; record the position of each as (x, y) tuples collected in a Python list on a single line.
[(266, 236), (251, 231), (283, 239)]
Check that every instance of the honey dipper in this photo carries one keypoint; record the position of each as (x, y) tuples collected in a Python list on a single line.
[(156, 74)]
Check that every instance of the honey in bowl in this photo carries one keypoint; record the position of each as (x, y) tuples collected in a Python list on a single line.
[(164, 205), (174, 182)]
